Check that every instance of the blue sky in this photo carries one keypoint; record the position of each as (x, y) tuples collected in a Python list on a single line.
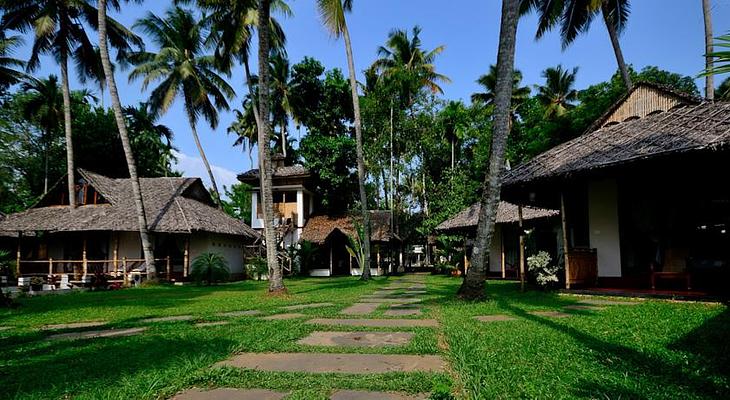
[(666, 33)]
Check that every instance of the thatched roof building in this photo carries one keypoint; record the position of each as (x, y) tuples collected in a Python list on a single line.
[(468, 218), (173, 205), (320, 227)]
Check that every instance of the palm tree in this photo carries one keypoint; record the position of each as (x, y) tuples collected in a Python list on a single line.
[(720, 59), (488, 82), (145, 131), (58, 29), (183, 70), (558, 94), (276, 276), (454, 117), (333, 17), (281, 109), (45, 107), (8, 73), (723, 91), (244, 127), (475, 280), (709, 78), (575, 17)]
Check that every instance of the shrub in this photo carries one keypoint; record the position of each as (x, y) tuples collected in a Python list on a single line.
[(257, 267), (210, 268), (6, 268), (306, 255), (540, 266)]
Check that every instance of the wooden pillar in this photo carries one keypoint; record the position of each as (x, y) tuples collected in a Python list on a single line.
[(563, 220), (466, 259), (331, 265), (502, 259), (168, 266), (115, 251), (50, 266), (350, 261), (522, 249), (84, 261), (17, 256), (186, 257), (378, 260), (124, 271)]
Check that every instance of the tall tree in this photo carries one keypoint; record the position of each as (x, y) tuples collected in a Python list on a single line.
[(58, 30), (276, 275), (709, 49), (280, 94), (244, 127), (333, 17), (558, 94), (488, 82), (9, 74), (184, 70), (475, 280), (149, 258), (720, 59), (575, 17)]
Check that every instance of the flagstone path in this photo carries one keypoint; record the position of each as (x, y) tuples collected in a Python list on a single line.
[(97, 334), (305, 306), (363, 395), (174, 318), (74, 325), (230, 394), (348, 363), (356, 339), (284, 316), (245, 313), (360, 308)]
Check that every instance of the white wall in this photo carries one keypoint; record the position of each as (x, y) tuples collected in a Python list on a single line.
[(230, 247), (603, 226)]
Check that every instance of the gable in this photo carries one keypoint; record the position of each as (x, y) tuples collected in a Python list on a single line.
[(642, 102), (85, 193)]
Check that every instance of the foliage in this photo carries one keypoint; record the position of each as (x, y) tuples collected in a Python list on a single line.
[(306, 256), (209, 267), (238, 204), (721, 59), (6, 267), (540, 265), (723, 91), (355, 246), (257, 267)]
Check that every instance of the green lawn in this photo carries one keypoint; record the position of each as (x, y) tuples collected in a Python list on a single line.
[(653, 350)]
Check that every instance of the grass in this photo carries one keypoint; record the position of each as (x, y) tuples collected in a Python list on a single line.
[(657, 349)]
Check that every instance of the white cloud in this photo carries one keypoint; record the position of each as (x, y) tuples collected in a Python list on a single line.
[(192, 166)]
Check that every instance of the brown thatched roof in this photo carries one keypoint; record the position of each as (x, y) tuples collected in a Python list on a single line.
[(292, 171), (173, 205), (684, 129), (506, 213), (320, 227)]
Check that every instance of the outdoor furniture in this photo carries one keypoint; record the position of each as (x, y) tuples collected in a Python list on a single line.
[(583, 266), (673, 267)]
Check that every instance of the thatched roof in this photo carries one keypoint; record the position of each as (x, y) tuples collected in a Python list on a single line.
[(320, 227), (507, 213), (292, 171), (173, 205), (691, 128)]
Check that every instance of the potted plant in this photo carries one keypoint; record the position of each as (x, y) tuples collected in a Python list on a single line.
[(36, 283)]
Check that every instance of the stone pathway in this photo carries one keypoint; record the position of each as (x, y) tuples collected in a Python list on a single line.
[(550, 314), (338, 363), (364, 395), (494, 318), (174, 318), (97, 334), (234, 314), (376, 323), (283, 316), (356, 339), (230, 394), (74, 325), (580, 307), (305, 306), (212, 323), (600, 302), (360, 308)]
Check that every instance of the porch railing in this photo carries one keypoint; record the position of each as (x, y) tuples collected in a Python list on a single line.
[(120, 268)]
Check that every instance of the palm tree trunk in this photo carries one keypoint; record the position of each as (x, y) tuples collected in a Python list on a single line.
[(249, 83), (67, 130), (283, 138), (149, 258), (475, 280), (194, 131), (276, 276), (453, 140), (391, 157), (709, 48), (360, 154), (46, 149), (613, 34)]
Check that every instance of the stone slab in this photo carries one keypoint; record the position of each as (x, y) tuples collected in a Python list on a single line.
[(581, 307), (356, 339), (174, 318), (244, 313), (376, 323), (5, 328), (336, 363), (600, 302), (276, 317), (305, 306), (415, 292), (403, 312), (360, 308), (212, 323), (550, 314), (494, 318), (97, 334), (230, 394), (74, 325), (366, 395), (390, 300)]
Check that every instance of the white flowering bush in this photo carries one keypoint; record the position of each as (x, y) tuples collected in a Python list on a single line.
[(540, 266)]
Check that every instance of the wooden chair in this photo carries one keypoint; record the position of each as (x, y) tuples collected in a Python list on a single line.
[(674, 266)]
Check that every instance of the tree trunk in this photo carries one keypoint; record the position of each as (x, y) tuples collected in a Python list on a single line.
[(360, 156), (613, 34), (194, 132), (709, 48), (283, 138), (149, 258), (453, 144), (249, 83), (67, 130), (475, 280), (276, 277), (391, 159), (46, 148)]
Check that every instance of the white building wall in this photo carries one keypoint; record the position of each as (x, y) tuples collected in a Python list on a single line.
[(230, 247), (603, 226)]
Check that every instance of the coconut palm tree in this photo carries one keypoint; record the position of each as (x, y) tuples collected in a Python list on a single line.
[(475, 280), (454, 118), (183, 69), (558, 94), (709, 78), (488, 82), (575, 17), (276, 275), (244, 127), (723, 91), (332, 13), (143, 127), (108, 74), (58, 30), (720, 59), (281, 109), (9, 75)]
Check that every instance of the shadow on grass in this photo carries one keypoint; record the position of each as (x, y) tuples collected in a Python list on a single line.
[(710, 342), (636, 364), (68, 368)]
